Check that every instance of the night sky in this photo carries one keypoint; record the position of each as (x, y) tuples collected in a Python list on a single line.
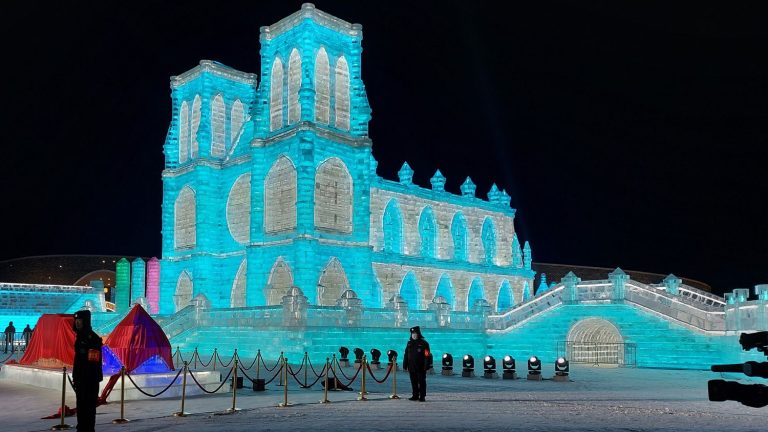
[(631, 136)]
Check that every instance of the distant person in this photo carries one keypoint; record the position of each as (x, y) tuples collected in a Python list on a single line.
[(86, 371), (10, 331), (26, 335), (417, 360)]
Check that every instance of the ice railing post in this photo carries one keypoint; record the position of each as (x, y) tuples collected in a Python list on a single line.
[(442, 311), (672, 284), (735, 315), (400, 308), (482, 309), (295, 308), (570, 281), (619, 282), (353, 308)]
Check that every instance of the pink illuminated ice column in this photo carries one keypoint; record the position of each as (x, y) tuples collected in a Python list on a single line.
[(153, 285)]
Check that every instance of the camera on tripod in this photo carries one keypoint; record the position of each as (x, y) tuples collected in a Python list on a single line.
[(754, 395)]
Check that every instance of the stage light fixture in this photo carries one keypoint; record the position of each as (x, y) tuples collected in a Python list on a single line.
[(344, 359), (508, 365), (489, 367), (392, 356), (562, 368), (344, 351), (468, 366), (534, 368), (447, 364), (359, 353), (375, 356)]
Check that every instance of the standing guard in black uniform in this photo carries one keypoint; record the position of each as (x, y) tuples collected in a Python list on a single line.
[(86, 371), (417, 360)]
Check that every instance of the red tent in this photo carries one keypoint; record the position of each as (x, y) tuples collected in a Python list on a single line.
[(53, 342), (137, 338)]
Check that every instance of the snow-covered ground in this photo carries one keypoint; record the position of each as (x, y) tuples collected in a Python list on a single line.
[(596, 399)]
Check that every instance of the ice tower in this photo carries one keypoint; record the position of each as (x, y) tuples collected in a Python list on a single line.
[(272, 185)]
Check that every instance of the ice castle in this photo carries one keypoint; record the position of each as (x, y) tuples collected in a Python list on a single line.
[(279, 235), (272, 186)]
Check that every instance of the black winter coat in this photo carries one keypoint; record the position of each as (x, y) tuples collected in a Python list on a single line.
[(417, 355), (87, 366)]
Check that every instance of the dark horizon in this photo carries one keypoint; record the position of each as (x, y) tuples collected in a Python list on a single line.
[(630, 137)]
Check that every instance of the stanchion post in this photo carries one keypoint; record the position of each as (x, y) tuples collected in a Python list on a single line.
[(325, 391), (393, 369), (215, 353), (62, 425), (182, 413), (258, 364), (285, 403), (122, 418), (282, 369), (234, 388), (333, 369), (363, 370), (306, 366), (195, 355)]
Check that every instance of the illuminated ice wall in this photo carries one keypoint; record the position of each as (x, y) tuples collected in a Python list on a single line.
[(271, 185)]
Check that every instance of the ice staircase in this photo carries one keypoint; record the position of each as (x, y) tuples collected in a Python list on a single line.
[(659, 341)]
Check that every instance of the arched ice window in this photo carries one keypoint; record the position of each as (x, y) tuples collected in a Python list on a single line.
[(185, 219), (236, 120), (342, 94), (280, 197), (183, 132), (276, 95), (322, 87), (333, 197), (294, 84), (218, 126)]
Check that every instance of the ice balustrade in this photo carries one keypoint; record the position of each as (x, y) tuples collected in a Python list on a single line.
[(747, 315), (690, 306)]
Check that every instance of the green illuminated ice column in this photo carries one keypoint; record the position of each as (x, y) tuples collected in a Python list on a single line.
[(138, 276), (123, 286)]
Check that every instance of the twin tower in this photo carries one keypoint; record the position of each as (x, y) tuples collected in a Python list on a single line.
[(272, 185)]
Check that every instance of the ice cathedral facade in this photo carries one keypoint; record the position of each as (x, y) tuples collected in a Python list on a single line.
[(270, 185)]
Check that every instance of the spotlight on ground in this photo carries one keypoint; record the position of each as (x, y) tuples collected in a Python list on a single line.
[(447, 364), (344, 359), (508, 365), (468, 366), (359, 353), (375, 358), (489, 367), (534, 368), (562, 368), (392, 356)]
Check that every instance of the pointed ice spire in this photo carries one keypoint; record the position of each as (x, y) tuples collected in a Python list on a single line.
[(468, 188), (517, 254), (527, 259), (438, 181), (405, 174), (494, 194), (504, 198), (542, 284)]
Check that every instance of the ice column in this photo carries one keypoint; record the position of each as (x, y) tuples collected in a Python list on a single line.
[(123, 286), (153, 285), (138, 279)]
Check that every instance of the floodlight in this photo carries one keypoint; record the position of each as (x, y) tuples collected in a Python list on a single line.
[(468, 366)]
